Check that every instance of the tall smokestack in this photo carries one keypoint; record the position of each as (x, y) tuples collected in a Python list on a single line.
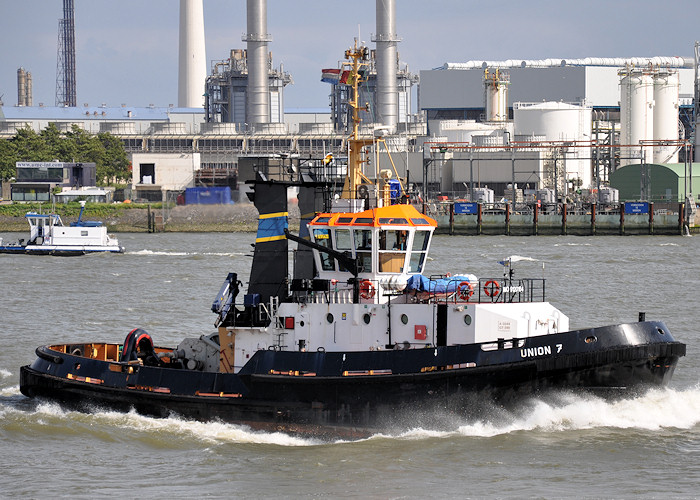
[(386, 39), (258, 95), (192, 71)]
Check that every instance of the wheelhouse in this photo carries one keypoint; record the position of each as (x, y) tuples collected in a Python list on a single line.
[(387, 242)]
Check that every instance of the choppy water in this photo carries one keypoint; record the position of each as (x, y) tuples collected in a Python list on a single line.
[(571, 446)]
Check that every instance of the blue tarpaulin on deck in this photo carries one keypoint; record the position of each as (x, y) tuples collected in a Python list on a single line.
[(208, 196), (420, 283)]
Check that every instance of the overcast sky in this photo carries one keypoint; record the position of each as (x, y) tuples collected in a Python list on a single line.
[(127, 49)]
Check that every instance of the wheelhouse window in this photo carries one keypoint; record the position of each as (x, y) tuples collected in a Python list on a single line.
[(419, 247), (392, 250), (343, 243), (323, 237), (363, 249), (343, 239)]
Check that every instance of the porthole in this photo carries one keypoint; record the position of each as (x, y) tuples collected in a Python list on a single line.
[(366, 318), (301, 323), (467, 319), (661, 332), (591, 339), (404, 319), (329, 318)]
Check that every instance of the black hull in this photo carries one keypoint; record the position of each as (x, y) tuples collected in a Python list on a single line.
[(351, 393)]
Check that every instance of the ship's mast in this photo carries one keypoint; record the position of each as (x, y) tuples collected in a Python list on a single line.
[(357, 57)]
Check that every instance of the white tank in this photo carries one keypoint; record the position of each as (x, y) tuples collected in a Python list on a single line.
[(554, 120), (636, 115), (666, 90), (559, 121)]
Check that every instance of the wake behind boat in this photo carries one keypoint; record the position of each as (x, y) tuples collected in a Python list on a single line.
[(48, 236), (356, 335)]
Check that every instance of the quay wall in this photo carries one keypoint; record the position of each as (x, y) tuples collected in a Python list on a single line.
[(562, 220)]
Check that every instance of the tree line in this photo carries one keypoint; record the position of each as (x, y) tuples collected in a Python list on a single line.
[(104, 150)]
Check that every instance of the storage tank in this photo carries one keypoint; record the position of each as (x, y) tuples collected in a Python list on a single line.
[(636, 115), (556, 121), (666, 90), (559, 121)]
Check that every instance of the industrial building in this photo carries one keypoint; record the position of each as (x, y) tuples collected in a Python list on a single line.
[(515, 129)]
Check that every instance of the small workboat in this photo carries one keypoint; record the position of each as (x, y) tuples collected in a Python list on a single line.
[(49, 236)]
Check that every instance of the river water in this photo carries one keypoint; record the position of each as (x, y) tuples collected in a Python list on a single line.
[(572, 446)]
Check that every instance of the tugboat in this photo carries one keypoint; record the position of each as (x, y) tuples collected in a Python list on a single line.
[(357, 336), (48, 236)]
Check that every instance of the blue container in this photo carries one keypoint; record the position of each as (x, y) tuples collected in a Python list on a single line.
[(208, 196)]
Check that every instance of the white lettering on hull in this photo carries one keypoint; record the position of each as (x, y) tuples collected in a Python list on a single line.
[(531, 352)]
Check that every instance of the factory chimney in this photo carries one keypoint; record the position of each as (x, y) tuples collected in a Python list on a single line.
[(192, 71), (387, 64), (258, 95)]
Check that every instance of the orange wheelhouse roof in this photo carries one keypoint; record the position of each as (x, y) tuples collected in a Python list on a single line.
[(392, 215)]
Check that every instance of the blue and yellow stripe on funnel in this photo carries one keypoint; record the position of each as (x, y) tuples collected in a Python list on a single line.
[(271, 227)]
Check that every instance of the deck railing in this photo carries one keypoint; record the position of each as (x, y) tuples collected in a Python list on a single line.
[(456, 291)]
